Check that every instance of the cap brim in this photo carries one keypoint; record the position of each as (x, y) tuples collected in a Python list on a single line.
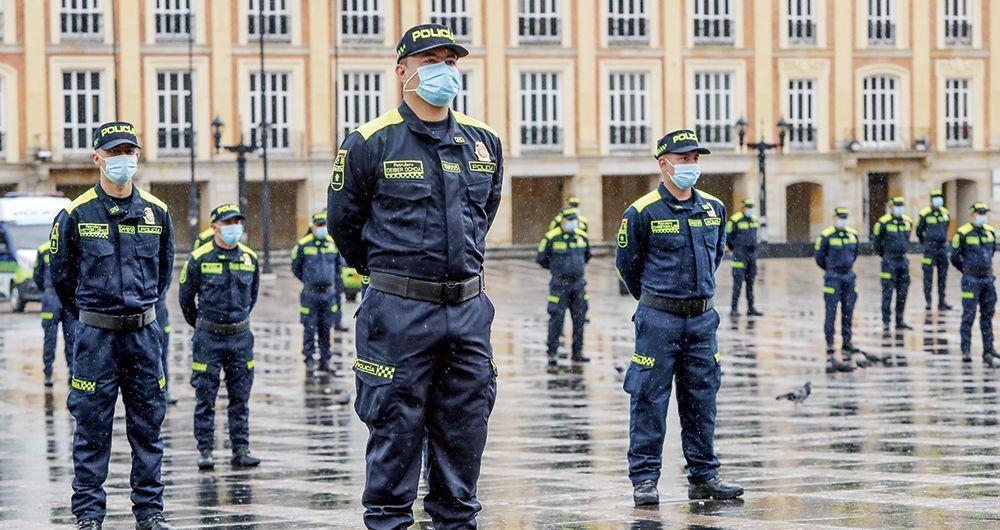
[(229, 215), (459, 50), (115, 143), (981, 210), (688, 149)]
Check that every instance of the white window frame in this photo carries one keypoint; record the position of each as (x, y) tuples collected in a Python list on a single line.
[(463, 101), (173, 13), (880, 114), (166, 126), (714, 111), (713, 22), (76, 96), (802, 132), (542, 26), (628, 21), (359, 14), (958, 22), (275, 11), (882, 27), (79, 11), (279, 134), (630, 115), (958, 115), (455, 14), (542, 130), (802, 22), (361, 98)]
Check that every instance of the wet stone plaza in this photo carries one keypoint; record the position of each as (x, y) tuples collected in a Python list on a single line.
[(913, 443)]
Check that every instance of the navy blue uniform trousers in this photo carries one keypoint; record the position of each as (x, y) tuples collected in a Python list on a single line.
[(839, 288), (561, 298), (673, 348), (212, 353), (744, 270), (319, 311), (163, 318), (981, 292), (423, 368), (895, 277), (935, 257), (53, 315), (103, 362)]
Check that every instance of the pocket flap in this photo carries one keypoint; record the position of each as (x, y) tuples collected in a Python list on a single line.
[(374, 373), (148, 249), (98, 248), (406, 189)]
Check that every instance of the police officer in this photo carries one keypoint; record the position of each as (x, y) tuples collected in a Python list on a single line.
[(316, 263), (836, 250), (932, 232), (218, 289), (112, 252), (565, 252), (53, 314), (572, 203), (411, 198), (741, 239), (163, 317), (973, 246), (205, 236), (670, 244), (891, 238)]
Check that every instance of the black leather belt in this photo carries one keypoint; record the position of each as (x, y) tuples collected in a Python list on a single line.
[(448, 293), (118, 322), (978, 273), (842, 270), (689, 308), (223, 329)]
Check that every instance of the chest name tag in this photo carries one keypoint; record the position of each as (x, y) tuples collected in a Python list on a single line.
[(482, 167), (451, 167), (559, 245), (666, 226), (147, 229), (695, 222), (309, 251), (93, 230), (246, 267), (403, 169), (713, 221), (211, 268), (126, 229)]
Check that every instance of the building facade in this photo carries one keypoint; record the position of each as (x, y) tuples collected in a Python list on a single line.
[(877, 98)]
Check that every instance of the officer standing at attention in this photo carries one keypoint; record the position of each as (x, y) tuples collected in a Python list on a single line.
[(836, 251), (741, 239), (572, 203), (218, 290), (565, 252), (111, 256), (932, 232), (973, 247), (53, 314), (316, 263), (891, 238), (411, 198), (670, 245)]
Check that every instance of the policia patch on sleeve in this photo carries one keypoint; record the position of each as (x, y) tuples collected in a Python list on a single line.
[(623, 234), (337, 178), (54, 239)]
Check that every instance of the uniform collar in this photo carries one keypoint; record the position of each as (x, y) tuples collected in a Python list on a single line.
[(417, 125), (135, 208), (676, 204)]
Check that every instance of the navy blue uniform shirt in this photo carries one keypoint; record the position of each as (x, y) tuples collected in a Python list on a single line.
[(973, 248), (316, 262), (565, 255), (671, 248), (741, 234), (42, 274), (836, 248), (219, 285), (112, 259), (404, 201), (932, 226), (891, 235)]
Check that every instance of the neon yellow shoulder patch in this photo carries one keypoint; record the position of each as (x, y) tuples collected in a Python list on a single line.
[(885, 218), (393, 117), (990, 228), (307, 238), (197, 253), (907, 218), (965, 229), (925, 211), (646, 200), (248, 250), (553, 233), (150, 198), (472, 122), (852, 231), (945, 210), (708, 196), (736, 217), (582, 233), (87, 196), (829, 231), (44, 247)]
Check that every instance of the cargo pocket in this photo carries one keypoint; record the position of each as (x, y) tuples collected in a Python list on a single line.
[(374, 385), (638, 374), (491, 390), (405, 204)]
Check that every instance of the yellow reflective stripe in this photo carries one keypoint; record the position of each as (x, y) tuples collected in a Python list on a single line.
[(886, 275), (47, 316), (718, 358), (828, 290), (642, 360), (376, 369), (553, 299), (335, 308), (251, 364), (971, 240), (836, 242), (162, 382), (304, 310), (927, 261), (80, 384), (167, 329), (199, 367), (586, 297), (968, 296), (738, 265)]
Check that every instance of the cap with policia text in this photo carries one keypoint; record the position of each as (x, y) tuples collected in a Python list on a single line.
[(840, 211), (682, 141), (936, 193), (569, 214), (897, 201), (746, 203), (979, 207), (319, 218), (225, 212), (113, 134), (427, 37)]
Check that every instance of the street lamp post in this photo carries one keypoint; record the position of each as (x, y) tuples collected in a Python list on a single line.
[(762, 148), (241, 151)]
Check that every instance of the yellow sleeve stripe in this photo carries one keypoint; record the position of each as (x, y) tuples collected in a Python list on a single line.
[(709, 196), (202, 250), (646, 200), (87, 196), (150, 198), (581, 232), (44, 247), (393, 117), (248, 250), (472, 122)]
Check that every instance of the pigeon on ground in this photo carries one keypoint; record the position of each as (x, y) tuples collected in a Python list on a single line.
[(872, 358), (798, 396), (342, 397), (620, 366)]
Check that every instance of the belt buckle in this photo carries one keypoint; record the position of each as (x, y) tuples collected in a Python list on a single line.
[(132, 321), (701, 306), (451, 292)]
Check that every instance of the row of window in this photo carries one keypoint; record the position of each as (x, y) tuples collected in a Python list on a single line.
[(539, 21), (629, 118)]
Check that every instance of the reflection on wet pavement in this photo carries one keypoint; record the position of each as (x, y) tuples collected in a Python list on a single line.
[(911, 443)]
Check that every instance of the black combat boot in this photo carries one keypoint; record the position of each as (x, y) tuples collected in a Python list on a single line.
[(243, 458), (714, 488), (153, 522), (645, 493), (205, 460), (88, 524)]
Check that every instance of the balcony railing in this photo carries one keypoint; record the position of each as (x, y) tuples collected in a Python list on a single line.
[(801, 32), (628, 30), (539, 30), (541, 138), (713, 31), (630, 137), (801, 138), (957, 33), (716, 135), (958, 135), (887, 138), (881, 33), (174, 26)]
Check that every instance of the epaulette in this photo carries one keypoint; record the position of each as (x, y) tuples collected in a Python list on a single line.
[(709, 196), (907, 218), (829, 231), (945, 210), (965, 229), (925, 211), (393, 117), (885, 218), (736, 217), (472, 122), (988, 227), (646, 200), (248, 250), (197, 253), (87, 196), (44, 247), (306, 238), (581, 232), (852, 231), (553, 233), (150, 198)]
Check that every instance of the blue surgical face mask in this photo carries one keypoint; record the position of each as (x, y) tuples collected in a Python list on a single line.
[(685, 175), (898, 211), (321, 232), (120, 169), (231, 234), (840, 223), (981, 220), (937, 202), (571, 225), (439, 84), (749, 212)]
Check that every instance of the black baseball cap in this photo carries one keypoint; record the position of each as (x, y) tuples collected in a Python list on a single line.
[(569, 214), (113, 134), (840, 211), (319, 217), (682, 141), (979, 207), (897, 201), (225, 212), (936, 193), (746, 203), (427, 37)]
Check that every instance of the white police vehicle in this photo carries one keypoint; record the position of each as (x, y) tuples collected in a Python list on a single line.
[(25, 223)]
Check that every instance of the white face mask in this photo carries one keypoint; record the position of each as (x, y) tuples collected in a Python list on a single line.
[(840, 223)]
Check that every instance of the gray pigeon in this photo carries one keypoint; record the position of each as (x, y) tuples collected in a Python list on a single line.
[(799, 395), (341, 397), (620, 366)]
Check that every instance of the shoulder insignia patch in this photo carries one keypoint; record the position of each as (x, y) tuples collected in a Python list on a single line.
[(623, 234)]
